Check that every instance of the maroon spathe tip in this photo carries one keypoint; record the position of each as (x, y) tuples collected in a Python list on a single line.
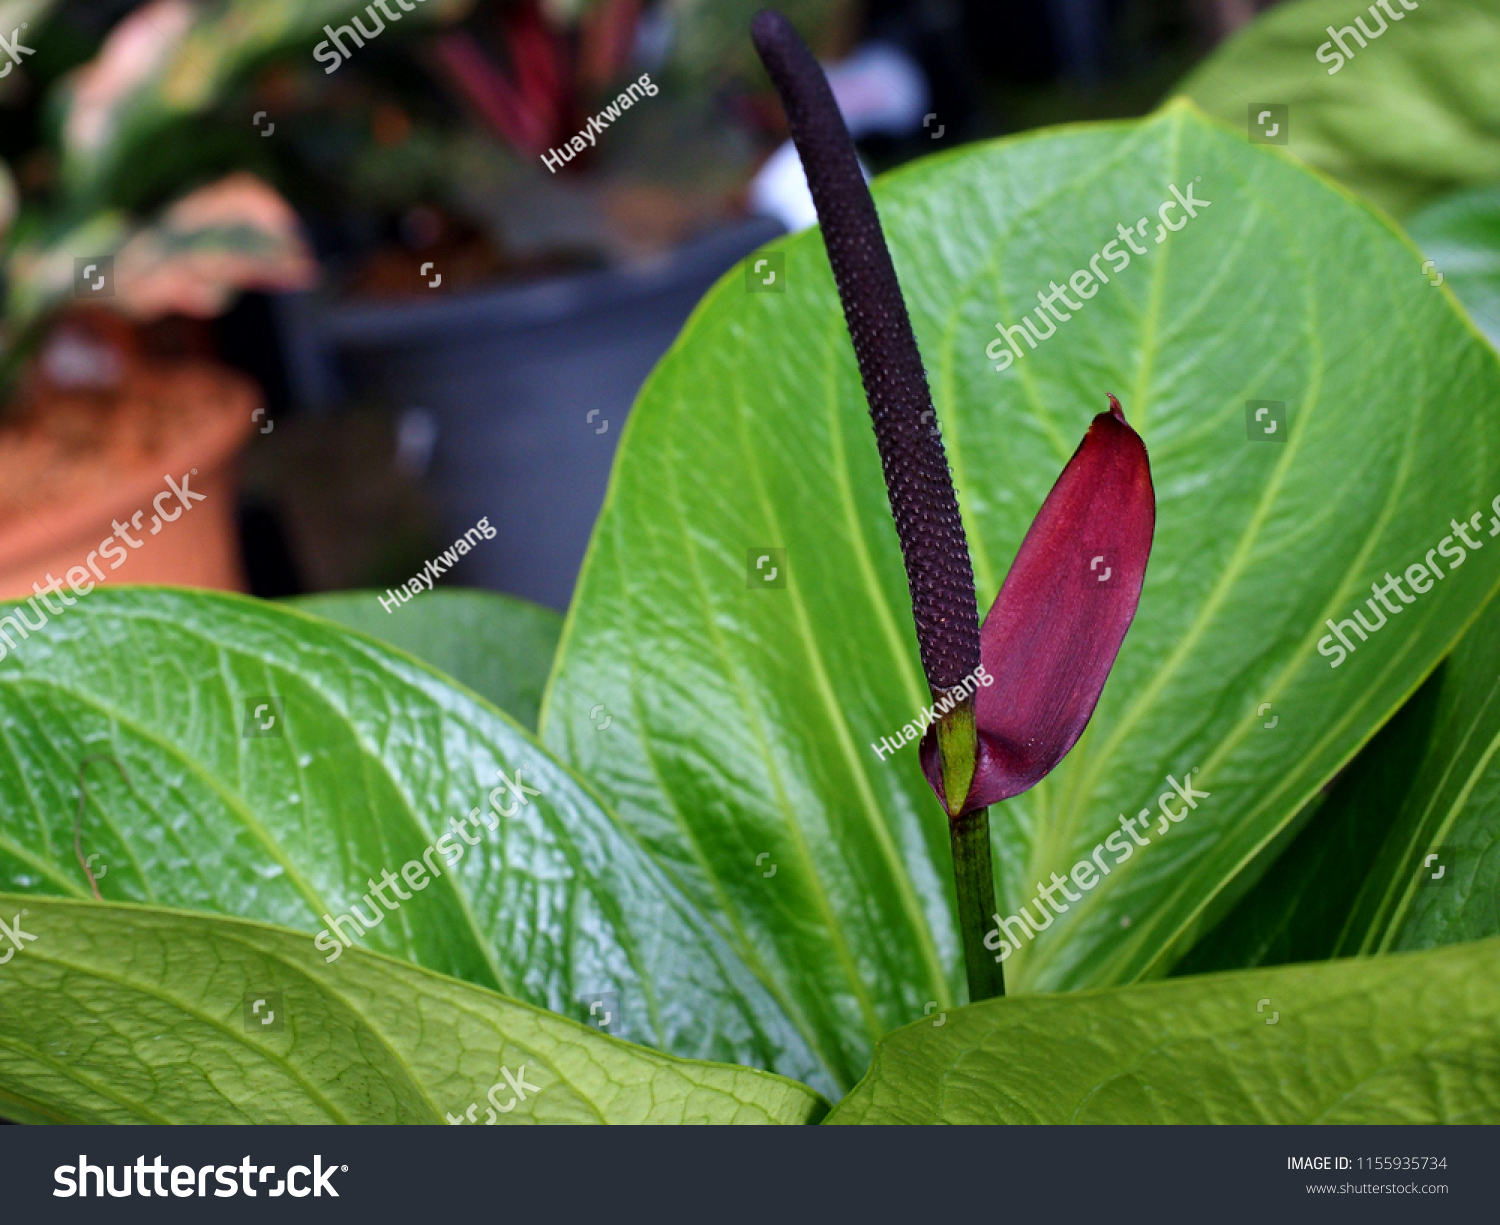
[(1053, 633)]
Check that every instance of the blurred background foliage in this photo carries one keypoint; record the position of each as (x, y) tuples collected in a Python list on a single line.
[(114, 110), (1404, 118), (430, 136), (228, 172)]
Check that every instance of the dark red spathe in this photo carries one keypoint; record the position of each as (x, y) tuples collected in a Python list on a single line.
[(1054, 630)]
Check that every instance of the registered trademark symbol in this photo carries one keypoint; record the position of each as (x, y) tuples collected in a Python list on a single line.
[(344, 1168)]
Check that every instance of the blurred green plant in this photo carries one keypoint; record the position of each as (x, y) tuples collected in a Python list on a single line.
[(710, 34), (171, 59), (191, 259), (7, 199), (120, 138), (1460, 235), (164, 62), (1410, 115)]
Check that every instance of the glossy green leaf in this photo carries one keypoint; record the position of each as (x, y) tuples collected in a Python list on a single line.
[(746, 710), (499, 646), (1437, 877), (157, 701), (1403, 856), (1404, 1039), (1298, 910), (1415, 112), (125, 1014), (1460, 234)]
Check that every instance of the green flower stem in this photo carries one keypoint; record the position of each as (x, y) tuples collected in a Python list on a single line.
[(958, 751), (973, 875)]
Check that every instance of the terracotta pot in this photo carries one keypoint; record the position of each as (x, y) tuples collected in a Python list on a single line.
[(198, 548)]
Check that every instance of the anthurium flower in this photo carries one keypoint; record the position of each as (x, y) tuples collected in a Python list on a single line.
[(1054, 630)]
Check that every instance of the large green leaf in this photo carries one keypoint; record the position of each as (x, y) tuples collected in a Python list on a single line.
[(1413, 115), (41, 265), (153, 698), (1299, 909), (744, 718), (123, 1014), (1403, 854), (497, 645), (1461, 235), (1404, 1039), (1437, 877)]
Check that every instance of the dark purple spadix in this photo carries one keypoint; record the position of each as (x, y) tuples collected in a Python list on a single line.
[(916, 469), (1057, 625)]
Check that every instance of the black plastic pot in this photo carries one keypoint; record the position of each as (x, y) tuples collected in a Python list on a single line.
[(529, 387)]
